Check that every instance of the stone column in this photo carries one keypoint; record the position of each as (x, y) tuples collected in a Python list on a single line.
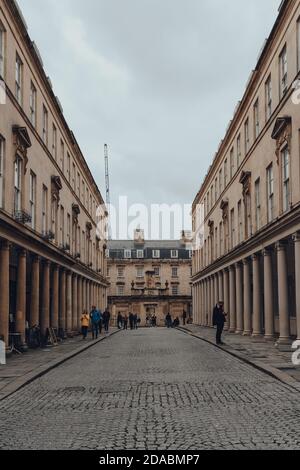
[(45, 314), (257, 320), (74, 304), (83, 295), (239, 298), (79, 300), (35, 293), (62, 306), (221, 286), (247, 299), (55, 299), (297, 280), (88, 301), (217, 296), (268, 296), (21, 296), (4, 297), (283, 300), (226, 297), (232, 300), (209, 303), (69, 303)]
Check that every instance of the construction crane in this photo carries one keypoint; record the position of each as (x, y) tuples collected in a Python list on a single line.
[(107, 190)]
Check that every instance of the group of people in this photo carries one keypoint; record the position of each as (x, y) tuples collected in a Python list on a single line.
[(151, 321), (96, 320), (133, 319)]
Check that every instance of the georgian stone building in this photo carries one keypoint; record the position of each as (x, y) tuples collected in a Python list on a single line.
[(249, 251), (52, 260), (149, 277)]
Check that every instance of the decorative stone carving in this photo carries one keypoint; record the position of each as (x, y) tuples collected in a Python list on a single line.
[(282, 133), (23, 143)]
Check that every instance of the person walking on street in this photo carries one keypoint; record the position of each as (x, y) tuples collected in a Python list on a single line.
[(168, 320), (95, 321), (135, 321), (131, 320), (125, 322), (120, 321), (219, 319), (85, 321), (106, 319), (184, 317)]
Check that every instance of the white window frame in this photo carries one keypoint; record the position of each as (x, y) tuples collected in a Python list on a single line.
[(156, 270), (257, 204), (32, 104), (256, 119), (156, 254), (283, 71), (54, 141), (175, 290), (174, 272), (270, 192), (285, 168), (45, 125), (18, 168), (44, 210), (32, 198), (121, 290), (247, 136), (239, 151), (140, 272), (140, 254), (127, 254), (269, 101), (19, 79), (120, 271), (2, 156), (174, 254)]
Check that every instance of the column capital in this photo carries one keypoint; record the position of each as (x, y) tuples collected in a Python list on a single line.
[(255, 257), (22, 252), (296, 237), (36, 258), (225, 270), (231, 268), (47, 262), (267, 252), (245, 262), (5, 244), (281, 245), (55, 267), (238, 265)]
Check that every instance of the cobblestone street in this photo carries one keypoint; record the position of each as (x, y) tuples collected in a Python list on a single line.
[(152, 389)]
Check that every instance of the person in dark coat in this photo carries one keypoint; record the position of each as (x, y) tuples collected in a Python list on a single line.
[(106, 319), (120, 321), (219, 319), (168, 321), (131, 321), (184, 317), (135, 321)]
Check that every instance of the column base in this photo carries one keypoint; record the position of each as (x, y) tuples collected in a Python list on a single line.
[(247, 333), (239, 332), (269, 338), (284, 341), (256, 335), (232, 330)]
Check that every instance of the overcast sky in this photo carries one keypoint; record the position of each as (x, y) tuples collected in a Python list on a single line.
[(157, 80)]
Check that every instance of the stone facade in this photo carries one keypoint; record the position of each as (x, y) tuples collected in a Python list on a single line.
[(52, 259), (248, 249), (149, 277)]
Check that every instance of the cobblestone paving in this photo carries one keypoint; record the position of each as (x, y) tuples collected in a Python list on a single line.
[(152, 389)]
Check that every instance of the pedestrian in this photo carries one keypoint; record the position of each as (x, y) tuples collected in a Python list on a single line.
[(219, 319), (125, 322), (120, 321), (131, 320), (95, 321), (168, 320), (184, 317), (106, 320), (85, 321), (135, 321)]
